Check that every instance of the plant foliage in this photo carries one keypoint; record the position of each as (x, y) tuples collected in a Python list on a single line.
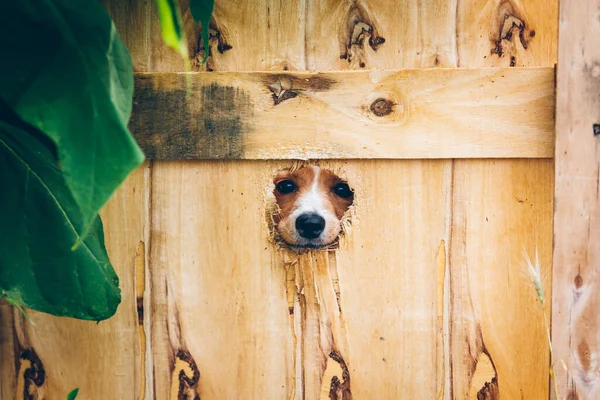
[(172, 29), (38, 268), (172, 26), (66, 72), (202, 12), (73, 394), (66, 84)]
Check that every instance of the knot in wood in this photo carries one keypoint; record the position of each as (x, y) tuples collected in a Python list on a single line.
[(382, 107)]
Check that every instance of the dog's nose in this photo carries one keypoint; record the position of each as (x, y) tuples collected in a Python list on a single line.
[(310, 226)]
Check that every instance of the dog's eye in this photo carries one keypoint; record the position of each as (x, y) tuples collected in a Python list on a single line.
[(285, 187), (343, 190)]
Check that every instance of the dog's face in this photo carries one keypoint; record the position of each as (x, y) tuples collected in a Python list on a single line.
[(311, 203)]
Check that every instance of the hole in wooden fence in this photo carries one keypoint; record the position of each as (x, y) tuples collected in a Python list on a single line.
[(308, 207)]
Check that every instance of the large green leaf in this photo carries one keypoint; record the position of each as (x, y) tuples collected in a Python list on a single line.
[(202, 12), (65, 71), (40, 221)]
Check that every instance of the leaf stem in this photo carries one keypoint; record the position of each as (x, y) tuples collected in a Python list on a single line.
[(16, 305)]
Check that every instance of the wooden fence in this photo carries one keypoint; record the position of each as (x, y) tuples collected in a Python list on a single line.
[(441, 116)]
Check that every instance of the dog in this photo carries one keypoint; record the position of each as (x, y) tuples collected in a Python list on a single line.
[(311, 203)]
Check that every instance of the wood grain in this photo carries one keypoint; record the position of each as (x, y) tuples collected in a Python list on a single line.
[(425, 297), (507, 33), (380, 34), (434, 113), (298, 344), (318, 319), (261, 35), (391, 35), (216, 294), (222, 305), (9, 352), (389, 277), (576, 300), (264, 35), (481, 310), (502, 213)]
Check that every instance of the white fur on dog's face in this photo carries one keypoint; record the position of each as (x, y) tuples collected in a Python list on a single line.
[(316, 193)]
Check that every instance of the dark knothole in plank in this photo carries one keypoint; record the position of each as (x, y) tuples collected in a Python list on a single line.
[(382, 107)]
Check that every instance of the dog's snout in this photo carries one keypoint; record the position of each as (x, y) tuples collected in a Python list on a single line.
[(310, 226)]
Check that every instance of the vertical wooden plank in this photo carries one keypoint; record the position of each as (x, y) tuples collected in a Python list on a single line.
[(264, 35), (354, 35), (498, 331), (503, 33), (8, 352), (383, 34), (492, 350), (401, 292), (220, 308), (576, 301), (390, 280), (220, 312)]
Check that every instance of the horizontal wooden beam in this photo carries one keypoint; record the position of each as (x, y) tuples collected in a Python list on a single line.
[(427, 113)]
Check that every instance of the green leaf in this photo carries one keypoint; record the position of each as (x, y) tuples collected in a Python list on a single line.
[(202, 12), (40, 221), (171, 26), (73, 394), (65, 71)]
